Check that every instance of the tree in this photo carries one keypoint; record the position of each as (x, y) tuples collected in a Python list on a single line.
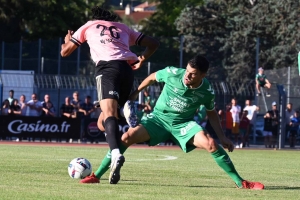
[(47, 19), (161, 25), (234, 26), (201, 25)]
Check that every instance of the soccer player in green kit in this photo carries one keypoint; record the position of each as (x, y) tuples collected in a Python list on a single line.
[(184, 91), (262, 81)]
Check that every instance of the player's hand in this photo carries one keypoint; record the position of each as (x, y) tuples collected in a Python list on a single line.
[(138, 65), (68, 36), (227, 144), (134, 95)]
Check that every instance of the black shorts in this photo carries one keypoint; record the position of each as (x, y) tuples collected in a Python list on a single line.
[(115, 80), (262, 84)]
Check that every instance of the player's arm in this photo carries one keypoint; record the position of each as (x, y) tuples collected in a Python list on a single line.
[(146, 82), (151, 45), (68, 47), (215, 122), (256, 79), (267, 81)]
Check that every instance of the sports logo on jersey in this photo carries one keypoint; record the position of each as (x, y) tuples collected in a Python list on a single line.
[(211, 90), (175, 90), (114, 93), (189, 126), (173, 70)]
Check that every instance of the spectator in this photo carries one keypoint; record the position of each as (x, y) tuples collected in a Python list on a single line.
[(35, 106), (11, 97), (268, 129), (235, 111), (15, 109), (262, 81), (222, 116), (252, 111), (289, 113), (147, 99), (140, 111), (46, 100), (86, 109), (5, 111), (5, 107), (229, 121), (23, 105), (48, 110), (294, 124), (244, 127), (76, 103), (146, 111), (275, 122), (66, 111)]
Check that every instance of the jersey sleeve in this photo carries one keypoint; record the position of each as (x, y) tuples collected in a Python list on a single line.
[(256, 77), (79, 36), (210, 104), (164, 74), (135, 38)]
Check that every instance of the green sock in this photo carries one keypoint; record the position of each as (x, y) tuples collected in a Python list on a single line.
[(104, 166), (223, 160)]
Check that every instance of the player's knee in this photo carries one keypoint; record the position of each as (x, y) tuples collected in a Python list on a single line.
[(212, 145), (127, 139), (100, 125)]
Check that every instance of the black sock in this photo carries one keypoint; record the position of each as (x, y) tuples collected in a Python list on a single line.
[(112, 131)]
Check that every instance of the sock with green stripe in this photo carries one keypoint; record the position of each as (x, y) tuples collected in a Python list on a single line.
[(223, 160), (104, 166)]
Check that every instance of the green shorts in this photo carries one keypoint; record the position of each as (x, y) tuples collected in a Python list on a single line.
[(161, 130)]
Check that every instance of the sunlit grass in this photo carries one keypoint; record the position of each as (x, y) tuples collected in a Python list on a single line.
[(37, 172)]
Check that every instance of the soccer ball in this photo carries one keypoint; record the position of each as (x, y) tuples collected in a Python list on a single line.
[(79, 168)]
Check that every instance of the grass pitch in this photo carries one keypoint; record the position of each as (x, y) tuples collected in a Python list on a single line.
[(40, 172)]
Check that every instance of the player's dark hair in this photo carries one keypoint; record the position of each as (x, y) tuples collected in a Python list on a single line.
[(199, 62), (102, 14), (12, 91)]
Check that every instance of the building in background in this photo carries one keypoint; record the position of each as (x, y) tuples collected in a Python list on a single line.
[(132, 16)]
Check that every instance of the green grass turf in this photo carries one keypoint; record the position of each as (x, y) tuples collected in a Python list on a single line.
[(36, 172)]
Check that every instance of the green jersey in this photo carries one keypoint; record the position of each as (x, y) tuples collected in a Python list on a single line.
[(177, 102), (201, 113), (261, 78)]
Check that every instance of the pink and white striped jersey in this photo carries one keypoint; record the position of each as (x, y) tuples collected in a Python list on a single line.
[(108, 40)]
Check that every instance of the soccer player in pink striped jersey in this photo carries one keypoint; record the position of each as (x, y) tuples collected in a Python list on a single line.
[(109, 43)]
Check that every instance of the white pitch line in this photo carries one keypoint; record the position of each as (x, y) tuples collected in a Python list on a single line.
[(165, 158)]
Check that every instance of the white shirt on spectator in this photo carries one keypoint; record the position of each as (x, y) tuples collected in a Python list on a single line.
[(235, 111), (34, 112), (251, 113)]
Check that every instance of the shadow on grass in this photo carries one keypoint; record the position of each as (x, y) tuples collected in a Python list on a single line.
[(281, 188)]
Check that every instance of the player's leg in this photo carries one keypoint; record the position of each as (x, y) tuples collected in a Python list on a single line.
[(108, 79), (190, 136), (267, 85), (257, 85)]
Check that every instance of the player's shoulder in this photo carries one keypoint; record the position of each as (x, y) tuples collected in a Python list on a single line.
[(171, 70), (206, 83)]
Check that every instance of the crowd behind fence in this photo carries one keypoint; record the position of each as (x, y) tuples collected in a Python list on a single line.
[(60, 77)]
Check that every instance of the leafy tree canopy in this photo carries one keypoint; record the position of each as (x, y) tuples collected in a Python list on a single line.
[(46, 19), (226, 32)]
